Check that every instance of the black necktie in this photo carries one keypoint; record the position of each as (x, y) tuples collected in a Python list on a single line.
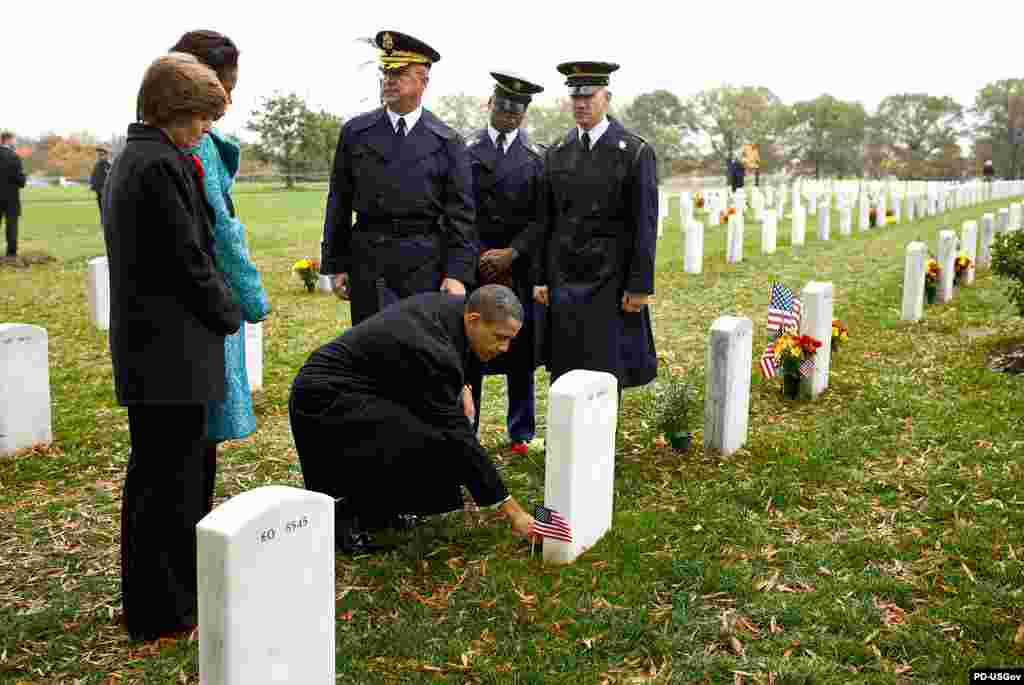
[(586, 141), (501, 143), (401, 127)]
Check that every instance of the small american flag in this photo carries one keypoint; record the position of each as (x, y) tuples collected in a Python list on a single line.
[(768, 361), (548, 523), (807, 367), (783, 309)]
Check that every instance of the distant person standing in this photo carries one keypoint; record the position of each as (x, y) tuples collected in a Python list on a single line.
[(988, 171), (98, 179), (406, 177), (12, 180)]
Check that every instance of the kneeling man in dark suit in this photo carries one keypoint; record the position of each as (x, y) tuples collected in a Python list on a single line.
[(382, 415)]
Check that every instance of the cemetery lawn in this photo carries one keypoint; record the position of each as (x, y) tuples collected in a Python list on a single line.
[(874, 536)]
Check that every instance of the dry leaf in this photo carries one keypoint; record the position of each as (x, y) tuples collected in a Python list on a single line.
[(736, 646), (1019, 638)]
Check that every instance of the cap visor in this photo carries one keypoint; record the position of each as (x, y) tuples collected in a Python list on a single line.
[(584, 90)]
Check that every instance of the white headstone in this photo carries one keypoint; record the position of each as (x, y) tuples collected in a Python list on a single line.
[(98, 287), (727, 389), (969, 245), (693, 260), (254, 355), (824, 219), (323, 283), (946, 256), (910, 208), (1003, 221), (734, 240), (579, 473), (816, 321), (768, 231), (988, 230), (266, 589), (812, 202), (798, 226), (896, 207), (864, 222), (845, 221), (25, 416), (913, 281)]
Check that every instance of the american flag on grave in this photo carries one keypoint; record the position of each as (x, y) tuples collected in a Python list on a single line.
[(548, 523), (783, 309)]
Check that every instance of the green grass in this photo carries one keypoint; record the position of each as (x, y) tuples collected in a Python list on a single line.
[(872, 536)]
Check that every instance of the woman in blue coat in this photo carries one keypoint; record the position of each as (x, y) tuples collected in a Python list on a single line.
[(234, 417)]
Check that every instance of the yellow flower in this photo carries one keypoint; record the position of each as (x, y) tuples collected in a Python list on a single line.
[(302, 265)]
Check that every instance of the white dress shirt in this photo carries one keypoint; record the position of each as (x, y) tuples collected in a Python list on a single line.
[(596, 132), (410, 119), (509, 137)]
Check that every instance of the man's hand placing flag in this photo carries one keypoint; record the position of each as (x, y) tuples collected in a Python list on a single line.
[(548, 523)]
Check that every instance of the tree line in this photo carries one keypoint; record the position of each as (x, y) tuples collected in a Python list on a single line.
[(909, 135)]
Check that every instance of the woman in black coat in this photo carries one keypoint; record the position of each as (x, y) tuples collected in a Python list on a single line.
[(170, 310)]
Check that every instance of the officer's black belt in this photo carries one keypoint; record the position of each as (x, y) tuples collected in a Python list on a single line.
[(398, 227)]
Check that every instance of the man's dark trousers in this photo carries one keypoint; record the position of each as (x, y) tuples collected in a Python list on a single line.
[(10, 218)]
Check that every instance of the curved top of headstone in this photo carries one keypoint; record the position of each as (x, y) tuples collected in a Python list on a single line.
[(9, 329), (583, 382), (232, 516), (98, 260)]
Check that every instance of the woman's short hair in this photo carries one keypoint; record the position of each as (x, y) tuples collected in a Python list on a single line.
[(213, 49), (177, 86)]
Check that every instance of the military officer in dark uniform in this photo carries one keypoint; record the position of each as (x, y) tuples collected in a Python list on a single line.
[(507, 173), (98, 179), (381, 415), (406, 176), (12, 180), (597, 271)]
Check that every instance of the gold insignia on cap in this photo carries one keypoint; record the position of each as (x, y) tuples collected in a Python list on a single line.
[(516, 85), (387, 42), (578, 69)]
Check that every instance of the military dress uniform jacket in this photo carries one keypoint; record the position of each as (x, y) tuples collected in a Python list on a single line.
[(377, 414), (602, 212), (507, 192), (414, 209), (12, 180)]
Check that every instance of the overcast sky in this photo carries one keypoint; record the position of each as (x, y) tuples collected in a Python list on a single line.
[(73, 66)]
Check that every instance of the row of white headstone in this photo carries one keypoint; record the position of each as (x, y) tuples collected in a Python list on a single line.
[(693, 238), (927, 198), (977, 248)]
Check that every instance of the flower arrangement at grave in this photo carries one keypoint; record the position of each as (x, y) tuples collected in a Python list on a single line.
[(309, 271), (961, 266), (890, 216), (932, 274), (668, 409), (698, 200), (840, 334), (872, 217), (726, 213), (794, 355)]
